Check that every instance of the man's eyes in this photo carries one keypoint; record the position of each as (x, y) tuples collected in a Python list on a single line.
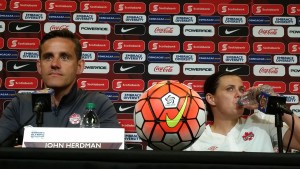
[(48, 57), (64, 57)]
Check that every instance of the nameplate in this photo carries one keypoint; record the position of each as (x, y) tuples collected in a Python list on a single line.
[(87, 138)]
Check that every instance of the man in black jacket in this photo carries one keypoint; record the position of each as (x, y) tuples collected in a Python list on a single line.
[(59, 64)]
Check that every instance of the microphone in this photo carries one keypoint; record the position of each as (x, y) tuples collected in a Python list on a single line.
[(42, 101), (267, 103), (272, 104)]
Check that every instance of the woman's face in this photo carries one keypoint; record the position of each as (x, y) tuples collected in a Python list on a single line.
[(224, 101)]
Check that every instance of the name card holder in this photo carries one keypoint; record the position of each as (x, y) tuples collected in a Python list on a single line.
[(88, 138)]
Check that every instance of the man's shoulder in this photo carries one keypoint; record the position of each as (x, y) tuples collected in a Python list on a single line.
[(22, 97)]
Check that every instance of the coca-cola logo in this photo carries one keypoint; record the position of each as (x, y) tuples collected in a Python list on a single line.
[(163, 69), (56, 27), (272, 70), (268, 70), (267, 31), (51, 26), (163, 30)]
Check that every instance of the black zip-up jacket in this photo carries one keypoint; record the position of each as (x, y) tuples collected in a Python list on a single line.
[(19, 110)]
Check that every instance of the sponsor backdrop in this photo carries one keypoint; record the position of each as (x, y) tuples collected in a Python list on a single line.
[(130, 45)]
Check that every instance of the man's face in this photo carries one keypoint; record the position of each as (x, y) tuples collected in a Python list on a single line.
[(58, 64)]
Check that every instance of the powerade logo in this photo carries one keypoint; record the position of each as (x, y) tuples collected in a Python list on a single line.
[(198, 69), (108, 56), (209, 20), (8, 54), (113, 96), (96, 67), (260, 59), (293, 31), (209, 58), (295, 109), (259, 20), (10, 16), (60, 17), (294, 71), (7, 94), (110, 18), (163, 19), (159, 57)]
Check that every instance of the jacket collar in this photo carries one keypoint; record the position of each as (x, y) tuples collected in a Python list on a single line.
[(71, 96)]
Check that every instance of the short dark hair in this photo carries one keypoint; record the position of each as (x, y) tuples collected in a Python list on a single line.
[(210, 86), (64, 33)]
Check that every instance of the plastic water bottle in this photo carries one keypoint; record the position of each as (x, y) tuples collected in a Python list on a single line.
[(250, 97), (90, 118)]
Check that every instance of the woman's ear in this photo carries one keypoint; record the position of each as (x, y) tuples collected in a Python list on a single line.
[(210, 99)]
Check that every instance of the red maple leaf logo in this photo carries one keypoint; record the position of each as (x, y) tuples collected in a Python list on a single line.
[(212, 148), (248, 136)]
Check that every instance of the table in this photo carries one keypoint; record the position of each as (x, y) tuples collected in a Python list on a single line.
[(36, 158)]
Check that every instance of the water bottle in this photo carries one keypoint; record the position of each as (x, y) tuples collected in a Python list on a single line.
[(90, 118), (250, 97)]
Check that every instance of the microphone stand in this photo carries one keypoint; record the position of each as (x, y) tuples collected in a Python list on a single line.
[(274, 106), (39, 118), (279, 125), (38, 109)]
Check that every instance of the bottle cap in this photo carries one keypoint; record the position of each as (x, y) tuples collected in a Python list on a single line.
[(90, 106)]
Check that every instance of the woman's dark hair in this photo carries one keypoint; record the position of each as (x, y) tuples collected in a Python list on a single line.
[(64, 33), (210, 86)]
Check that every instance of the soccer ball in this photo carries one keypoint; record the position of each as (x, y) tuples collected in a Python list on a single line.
[(169, 116)]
